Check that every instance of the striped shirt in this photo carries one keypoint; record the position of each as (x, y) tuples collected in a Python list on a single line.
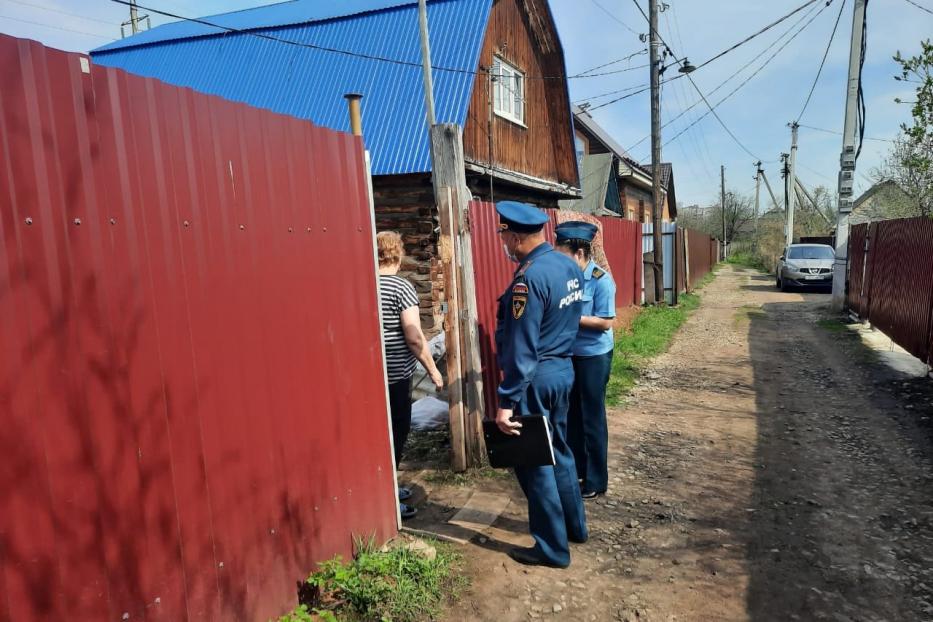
[(396, 295)]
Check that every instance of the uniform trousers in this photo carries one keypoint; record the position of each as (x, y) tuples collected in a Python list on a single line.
[(587, 431), (555, 508)]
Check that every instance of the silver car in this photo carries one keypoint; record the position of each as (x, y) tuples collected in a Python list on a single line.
[(805, 265)]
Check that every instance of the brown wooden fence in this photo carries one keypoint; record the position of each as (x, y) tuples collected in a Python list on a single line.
[(192, 398), (891, 280)]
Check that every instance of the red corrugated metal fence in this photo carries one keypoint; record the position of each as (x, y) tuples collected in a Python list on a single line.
[(192, 407), (891, 283), (702, 254), (621, 241)]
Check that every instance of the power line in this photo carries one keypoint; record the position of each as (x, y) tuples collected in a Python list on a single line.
[(371, 57), (615, 18), (614, 62), (735, 73), (823, 129), (80, 32), (760, 32), (743, 83), (920, 6), (822, 62), (52, 10)]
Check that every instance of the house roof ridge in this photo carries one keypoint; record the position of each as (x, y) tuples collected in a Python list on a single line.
[(277, 15)]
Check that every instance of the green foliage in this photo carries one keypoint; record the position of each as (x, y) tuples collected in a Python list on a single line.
[(910, 163), (392, 585), (832, 325), (747, 259), (650, 335)]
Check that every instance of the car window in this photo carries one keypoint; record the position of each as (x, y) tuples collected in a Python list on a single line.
[(810, 252)]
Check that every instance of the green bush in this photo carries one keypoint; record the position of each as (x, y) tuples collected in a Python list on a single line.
[(395, 584)]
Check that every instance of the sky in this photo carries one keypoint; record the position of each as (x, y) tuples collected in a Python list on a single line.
[(596, 32)]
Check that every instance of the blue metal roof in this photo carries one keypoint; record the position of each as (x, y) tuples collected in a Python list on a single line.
[(310, 83)]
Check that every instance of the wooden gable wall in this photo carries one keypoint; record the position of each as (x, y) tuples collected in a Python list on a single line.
[(522, 33)]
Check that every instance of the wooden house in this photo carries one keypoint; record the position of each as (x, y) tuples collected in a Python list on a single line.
[(612, 181), (498, 69)]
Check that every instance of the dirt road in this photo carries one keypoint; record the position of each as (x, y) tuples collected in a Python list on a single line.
[(768, 468)]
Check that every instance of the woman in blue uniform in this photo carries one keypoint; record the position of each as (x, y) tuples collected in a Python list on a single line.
[(587, 431)]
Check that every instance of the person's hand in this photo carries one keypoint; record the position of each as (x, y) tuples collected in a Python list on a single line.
[(505, 423), (437, 379)]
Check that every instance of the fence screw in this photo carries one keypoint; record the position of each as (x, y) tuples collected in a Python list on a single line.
[(113, 221), (187, 224), (220, 565), (325, 228), (272, 531), (158, 600), (77, 221), (290, 229), (359, 228), (309, 229), (29, 220), (242, 227), (126, 615)]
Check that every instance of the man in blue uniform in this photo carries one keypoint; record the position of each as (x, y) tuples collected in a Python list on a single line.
[(587, 432), (536, 326)]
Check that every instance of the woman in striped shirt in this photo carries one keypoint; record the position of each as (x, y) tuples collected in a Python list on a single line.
[(404, 344)]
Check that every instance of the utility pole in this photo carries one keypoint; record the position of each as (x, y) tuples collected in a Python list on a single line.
[(757, 197), (764, 176), (722, 199), (657, 233), (426, 62), (791, 184), (848, 157), (135, 20)]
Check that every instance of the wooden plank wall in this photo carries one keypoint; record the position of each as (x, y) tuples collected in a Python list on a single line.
[(521, 32)]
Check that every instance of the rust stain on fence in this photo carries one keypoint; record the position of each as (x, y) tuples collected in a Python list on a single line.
[(192, 407)]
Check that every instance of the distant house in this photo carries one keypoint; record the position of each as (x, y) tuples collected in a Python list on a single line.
[(882, 201), (613, 182), (498, 73)]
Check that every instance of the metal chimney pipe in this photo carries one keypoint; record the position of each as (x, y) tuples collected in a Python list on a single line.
[(356, 119)]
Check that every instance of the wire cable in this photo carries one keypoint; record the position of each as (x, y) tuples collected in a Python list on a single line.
[(615, 18), (614, 62), (920, 6), (734, 74), (362, 55), (53, 10), (712, 109), (80, 32), (837, 133), (822, 62)]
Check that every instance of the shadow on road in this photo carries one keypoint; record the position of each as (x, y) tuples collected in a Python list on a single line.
[(835, 475)]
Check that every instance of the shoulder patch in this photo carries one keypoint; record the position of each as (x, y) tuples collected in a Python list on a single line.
[(598, 273), (520, 289)]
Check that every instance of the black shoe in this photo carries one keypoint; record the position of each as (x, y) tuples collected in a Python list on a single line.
[(407, 511), (591, 494), (578, 540), (530, 557)]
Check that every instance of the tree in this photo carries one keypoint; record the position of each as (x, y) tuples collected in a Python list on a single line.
[(910, 163), (740, 212)]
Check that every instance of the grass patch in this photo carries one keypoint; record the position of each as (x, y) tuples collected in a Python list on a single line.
[(832, 325), (401, 583), (446, 477), (650, 335), (746, 259), (428, 446)]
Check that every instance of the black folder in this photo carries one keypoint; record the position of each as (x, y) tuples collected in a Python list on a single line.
[(530, 449)]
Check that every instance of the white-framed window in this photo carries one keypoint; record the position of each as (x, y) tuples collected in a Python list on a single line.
[(508, 91)]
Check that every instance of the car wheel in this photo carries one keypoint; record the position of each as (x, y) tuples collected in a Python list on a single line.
[(783, 285), (777, 282)]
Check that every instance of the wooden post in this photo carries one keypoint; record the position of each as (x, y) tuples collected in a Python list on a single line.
[(687, 261), (449, 177), (446, 246)]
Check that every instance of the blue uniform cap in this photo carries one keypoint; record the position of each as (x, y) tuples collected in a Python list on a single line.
[(520, 217), (576, 230)]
